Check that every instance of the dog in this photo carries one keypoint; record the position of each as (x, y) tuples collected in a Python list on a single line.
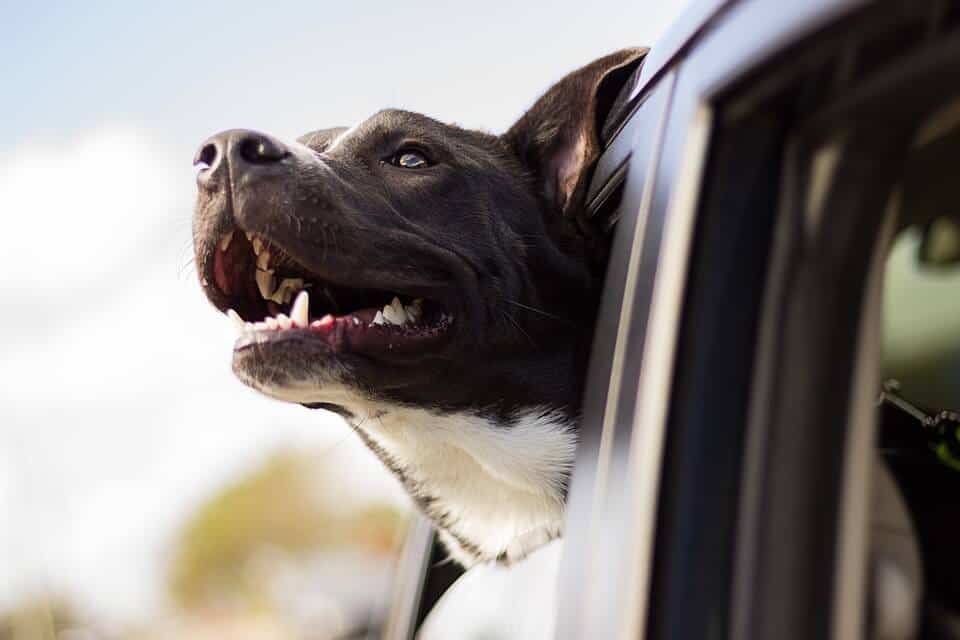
[(435, 286)]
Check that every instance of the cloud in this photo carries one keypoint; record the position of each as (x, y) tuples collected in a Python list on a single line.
[(119, 413)]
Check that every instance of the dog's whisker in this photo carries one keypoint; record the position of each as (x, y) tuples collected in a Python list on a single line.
[(540, 311), (519, 328), (186, 265)]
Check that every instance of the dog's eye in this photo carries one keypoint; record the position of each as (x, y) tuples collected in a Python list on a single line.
[(410, 159)]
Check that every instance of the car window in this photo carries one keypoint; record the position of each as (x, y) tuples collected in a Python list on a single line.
[(915, 561), (503, 603)]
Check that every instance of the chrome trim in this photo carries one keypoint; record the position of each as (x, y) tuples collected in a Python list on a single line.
[(656, 374), (410, 574), (850, 578)]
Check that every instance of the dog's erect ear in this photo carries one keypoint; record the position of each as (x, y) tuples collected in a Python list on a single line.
[(558, 139)]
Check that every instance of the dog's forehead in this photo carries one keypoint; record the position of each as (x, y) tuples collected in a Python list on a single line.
[(382, 127), (321, 137)]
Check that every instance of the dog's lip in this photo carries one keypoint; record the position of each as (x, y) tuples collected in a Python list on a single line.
[(338, 334), (353, 334)]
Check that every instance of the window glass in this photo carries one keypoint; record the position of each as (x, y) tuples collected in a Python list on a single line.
[(500, 603), (914, 559)]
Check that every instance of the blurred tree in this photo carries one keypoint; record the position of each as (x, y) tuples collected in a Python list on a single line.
[(284, 508)]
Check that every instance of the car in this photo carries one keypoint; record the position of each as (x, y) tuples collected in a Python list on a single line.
[(733, 478)]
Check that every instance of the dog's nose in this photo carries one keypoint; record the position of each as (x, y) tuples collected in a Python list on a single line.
[(238, 151)]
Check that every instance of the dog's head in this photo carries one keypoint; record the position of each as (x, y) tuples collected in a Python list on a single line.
[(443, 268)]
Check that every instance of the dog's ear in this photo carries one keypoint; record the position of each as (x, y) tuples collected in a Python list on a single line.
[(558, 139)]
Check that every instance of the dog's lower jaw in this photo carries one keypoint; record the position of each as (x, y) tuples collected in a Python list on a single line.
[(493, 487)]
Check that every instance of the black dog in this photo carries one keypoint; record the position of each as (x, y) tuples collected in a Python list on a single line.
[(433, 285)]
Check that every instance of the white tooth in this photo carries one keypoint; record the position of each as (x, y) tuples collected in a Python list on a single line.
[(284, 293), (284, 321), (378, 319), (257, 245), (300, 314), (392, 316), (236, 320), (266, 283), (260, 326), (356, 321), (225, 241), (271, 323), (263, 260), (249, 235)]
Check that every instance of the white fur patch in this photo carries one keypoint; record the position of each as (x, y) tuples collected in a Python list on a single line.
[(499, 486)]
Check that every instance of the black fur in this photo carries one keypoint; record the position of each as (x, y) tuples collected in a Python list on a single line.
[(493, 229), (489, 229)]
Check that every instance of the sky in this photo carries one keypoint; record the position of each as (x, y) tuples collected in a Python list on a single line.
[(118, 411)]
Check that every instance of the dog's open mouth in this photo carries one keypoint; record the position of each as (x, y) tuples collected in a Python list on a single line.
[(270, 296)]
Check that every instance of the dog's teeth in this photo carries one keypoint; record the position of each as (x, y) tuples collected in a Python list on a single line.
[(271, 323), (257, 245), (284, 321), (286, 289), (266, 282), (394, 314), (300, 314), (236, 320), (261, 326), (249, 235), (356, 321), (263, 261), (378, 319), (225, 241)]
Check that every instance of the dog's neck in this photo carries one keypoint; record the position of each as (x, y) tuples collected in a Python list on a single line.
[(494, 486), (494, 489)]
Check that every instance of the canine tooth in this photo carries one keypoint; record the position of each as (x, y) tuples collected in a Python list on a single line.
[(300, 314), (286, 289), (392, 315), (266, 282), (263, 260), (257, 245), (271, 323), (284, 321), (378, 319), (225, 241), (249, 235), (236, 320)]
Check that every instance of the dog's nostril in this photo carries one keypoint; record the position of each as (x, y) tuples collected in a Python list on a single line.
[(206, 156), (261, 150)]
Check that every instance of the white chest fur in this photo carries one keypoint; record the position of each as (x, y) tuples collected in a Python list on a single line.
[(495, 490), (498, 488)]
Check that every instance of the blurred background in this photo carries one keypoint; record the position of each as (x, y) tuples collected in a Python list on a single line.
[(144, 492)]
